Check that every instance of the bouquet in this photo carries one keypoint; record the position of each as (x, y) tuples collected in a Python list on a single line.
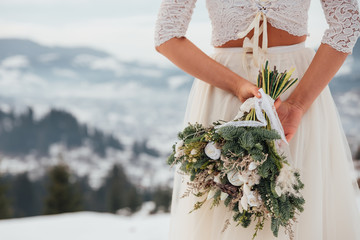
[(240, 163)]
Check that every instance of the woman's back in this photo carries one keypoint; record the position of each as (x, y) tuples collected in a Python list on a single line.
[(287, 21), (276, 37)]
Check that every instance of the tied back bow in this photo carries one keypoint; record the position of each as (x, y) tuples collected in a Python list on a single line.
[(252, 45)]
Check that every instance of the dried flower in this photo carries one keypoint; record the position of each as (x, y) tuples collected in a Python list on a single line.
[(253, 201), (235, 178), (179, 144), (286, 181), (211, 194), (193, 152), (252, 166), (217, 179), (212, 151), (223, 196), (179, 151)]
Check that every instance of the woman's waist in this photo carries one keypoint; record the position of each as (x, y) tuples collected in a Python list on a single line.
[(275, 37), (270, 50)]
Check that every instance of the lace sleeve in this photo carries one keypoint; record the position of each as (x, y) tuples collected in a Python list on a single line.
[(344, 24), (173, 19)]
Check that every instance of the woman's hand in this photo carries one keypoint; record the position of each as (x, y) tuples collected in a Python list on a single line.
[(290, 116), (245, 89)]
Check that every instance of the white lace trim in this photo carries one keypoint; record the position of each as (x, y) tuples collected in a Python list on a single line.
[(173, 19), (229, 17), (344, 24)]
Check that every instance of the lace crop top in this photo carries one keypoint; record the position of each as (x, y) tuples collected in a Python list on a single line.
[(231, 18)]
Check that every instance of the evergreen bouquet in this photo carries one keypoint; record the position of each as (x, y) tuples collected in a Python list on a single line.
[(240, 163)]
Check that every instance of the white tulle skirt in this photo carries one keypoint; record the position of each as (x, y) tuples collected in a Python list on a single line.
[(319, 150)]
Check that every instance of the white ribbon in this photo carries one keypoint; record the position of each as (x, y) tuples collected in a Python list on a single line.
[(252, 45), (265, 103)]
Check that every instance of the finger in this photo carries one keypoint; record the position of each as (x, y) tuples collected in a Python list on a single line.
[(255, 91), (289, 136), (277, 103)]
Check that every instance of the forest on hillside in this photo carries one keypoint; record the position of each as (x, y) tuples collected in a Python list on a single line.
[(59, 191)]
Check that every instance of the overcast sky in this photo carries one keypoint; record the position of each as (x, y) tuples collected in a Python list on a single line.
[(123, 28)]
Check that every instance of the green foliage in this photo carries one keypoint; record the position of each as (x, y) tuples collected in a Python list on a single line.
[(259, 225), (268, 168), (230, 147), (62, 195), (192, 133), (118, 189), (246, 140), (275, 224), (242, 141), (198, 205), (5, 209), (300, 184), (257, 154), (216, 200), (227, 201), (117, 192), (285, 210), (162, 198), (171, 159), (274, 83), (272, 188), (230, 133), (23, 196), (198, 165), (297, 203), (263, 134), (245, 219), (237, 216)]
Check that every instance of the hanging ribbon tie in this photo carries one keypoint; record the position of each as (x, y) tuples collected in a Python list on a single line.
[(266, 104), (252, 45)]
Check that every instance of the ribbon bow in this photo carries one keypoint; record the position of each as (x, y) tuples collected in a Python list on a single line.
[(252, 45)]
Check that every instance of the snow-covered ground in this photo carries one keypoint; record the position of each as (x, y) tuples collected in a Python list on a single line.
[(86, 225), (89, 226)]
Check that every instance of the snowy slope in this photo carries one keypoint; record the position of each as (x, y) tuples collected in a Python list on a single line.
[(86, 225)]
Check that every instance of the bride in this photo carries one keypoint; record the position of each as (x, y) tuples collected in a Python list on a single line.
[(245, 34)]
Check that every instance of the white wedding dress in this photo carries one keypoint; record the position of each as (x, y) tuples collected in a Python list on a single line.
[(319, 149)]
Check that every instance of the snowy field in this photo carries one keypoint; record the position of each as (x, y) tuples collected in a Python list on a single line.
[(87, 225)]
